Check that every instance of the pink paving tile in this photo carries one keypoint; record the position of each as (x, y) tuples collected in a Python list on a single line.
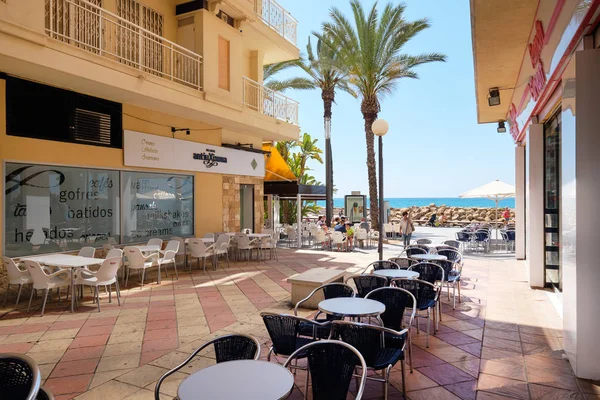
[(160, 334), (160, 344), (95, 330), (421, 358), (131, 306), (78, 323), (161, 310), (100, 321), (16, 347), (457, 338), (89, 341), (445, 374), (69, 384), (472, 348), (83, 353), (69, 396), (464, 390), (163, 316), (161, 303), (31, 328), (150, 356), (153, 325), (70, 368), (7, 330), (218, 325)]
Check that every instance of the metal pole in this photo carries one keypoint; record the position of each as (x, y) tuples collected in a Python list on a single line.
[(380, 244), (299, 219)]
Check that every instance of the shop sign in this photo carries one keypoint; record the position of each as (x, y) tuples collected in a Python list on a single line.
[(537, 45), (512, 120), (152, 151)]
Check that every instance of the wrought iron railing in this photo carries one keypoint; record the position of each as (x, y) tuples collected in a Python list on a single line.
[(269, 102), (277, 18), (83, 24)]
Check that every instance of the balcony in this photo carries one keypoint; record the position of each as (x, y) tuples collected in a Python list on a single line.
[(269, 102), (278, 19), (85, 25)]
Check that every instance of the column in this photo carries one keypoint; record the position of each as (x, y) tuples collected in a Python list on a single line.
[(520, 201), (535, 206)]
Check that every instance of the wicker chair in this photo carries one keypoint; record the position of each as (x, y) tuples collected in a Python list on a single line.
[(452, 271), (367, 283), (424, 241), (427, 296), (453, 243), (370, 341), (382, 264), (227, 348), (44, 394), (402, 262), (20, 377), (429, 272), (331, 365)]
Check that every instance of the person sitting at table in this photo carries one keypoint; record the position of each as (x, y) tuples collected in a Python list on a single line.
[(431, 221), (321, 221), (349, 235), (336, 221), (364, 225), (340, 228)]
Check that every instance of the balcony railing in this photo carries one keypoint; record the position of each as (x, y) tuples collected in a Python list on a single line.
[(269, 102), (85, 25), (277, 18)]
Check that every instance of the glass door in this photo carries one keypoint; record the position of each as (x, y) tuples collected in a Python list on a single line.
[(247, 207), (552, 201)]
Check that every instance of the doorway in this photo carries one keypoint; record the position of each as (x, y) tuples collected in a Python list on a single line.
[(247, 207), (552, 182)]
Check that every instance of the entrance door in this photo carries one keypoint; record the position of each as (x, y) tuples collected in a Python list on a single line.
[(247, 207), (552, 201)]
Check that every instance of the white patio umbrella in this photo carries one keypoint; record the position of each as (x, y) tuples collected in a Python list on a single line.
[(496, 191)]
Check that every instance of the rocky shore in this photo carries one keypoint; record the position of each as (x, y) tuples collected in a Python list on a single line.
[(457, 216)]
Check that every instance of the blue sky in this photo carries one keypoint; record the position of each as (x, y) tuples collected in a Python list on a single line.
[(434, 147)]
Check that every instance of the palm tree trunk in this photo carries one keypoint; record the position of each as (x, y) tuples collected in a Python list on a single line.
[(370, 109), (328, 98)]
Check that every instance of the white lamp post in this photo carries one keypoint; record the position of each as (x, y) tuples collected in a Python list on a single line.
[(380, 128)]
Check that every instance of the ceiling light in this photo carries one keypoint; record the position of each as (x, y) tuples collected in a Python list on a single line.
[(494, 97)]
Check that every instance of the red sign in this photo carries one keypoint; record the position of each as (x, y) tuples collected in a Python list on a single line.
[(537, 82), (537, 45), (512, 120)]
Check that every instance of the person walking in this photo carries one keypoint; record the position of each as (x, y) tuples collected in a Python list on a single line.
[(406, 228)]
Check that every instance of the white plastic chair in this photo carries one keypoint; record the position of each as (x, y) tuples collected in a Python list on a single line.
[(320, 238), (16, 276), (107, 248), (182, 248), (114, 253), (221, 247), (42, 280), (105, 276), (138, 261), (199, 250), (88, 252), (155, 242), (361, 236), (209, 236), (244, 243), (169, 255), (338, 238), (270, 244)]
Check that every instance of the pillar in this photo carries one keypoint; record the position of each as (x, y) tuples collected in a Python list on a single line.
[(520, 202), (535, 206)]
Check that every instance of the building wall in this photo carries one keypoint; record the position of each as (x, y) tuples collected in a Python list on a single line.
[(232, 203), (535, 205)]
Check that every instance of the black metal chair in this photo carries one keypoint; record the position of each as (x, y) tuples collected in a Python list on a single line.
[(367, 283), (381, 264), (424, 241), (330, 291), (482, 239), (414, 250), (331, 365), (427, 296), (44, 394), (402, 262), (286, 333), (20, 377), (370, 341), (429, 271), (452, 243), (452, 271), (464, 238), (227, 348), (396, 301)]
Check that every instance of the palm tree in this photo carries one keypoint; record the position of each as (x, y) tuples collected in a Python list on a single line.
[(370, 50), (269, 71)]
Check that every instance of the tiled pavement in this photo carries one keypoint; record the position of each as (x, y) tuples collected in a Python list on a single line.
[(502, 341)]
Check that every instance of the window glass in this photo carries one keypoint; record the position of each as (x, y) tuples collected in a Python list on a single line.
[(157, 206), (52, 208)]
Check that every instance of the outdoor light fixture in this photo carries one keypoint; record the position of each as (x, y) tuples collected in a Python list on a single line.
[(173, 130), (494, 97), (501, 127), (380, 128)]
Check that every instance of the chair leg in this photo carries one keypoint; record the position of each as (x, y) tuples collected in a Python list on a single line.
[(30, 298), (403, 378), (110, 293), (454, 296), (18, 295), (127, 277), (58, 292), (44, 303), (410, 351), (175, 266), (227, 257), (6, 295), (386, 384), (143, 275), (118, 290), (97, 297), (418, 330), (428, 323)]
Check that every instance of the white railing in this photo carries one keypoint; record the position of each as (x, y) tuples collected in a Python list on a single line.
[(269, 102), (277, 18), (83, 24)]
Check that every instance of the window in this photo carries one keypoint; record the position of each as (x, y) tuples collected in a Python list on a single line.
[(223, 63), (50, 208), (44, 112), (157, 205)]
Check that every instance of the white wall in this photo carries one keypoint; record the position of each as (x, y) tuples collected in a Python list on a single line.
[(535, 206), (520, 170)]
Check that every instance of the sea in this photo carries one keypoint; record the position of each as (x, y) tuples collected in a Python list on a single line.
[(403, 202)]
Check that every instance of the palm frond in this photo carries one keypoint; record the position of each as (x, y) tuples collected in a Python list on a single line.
[(292, 83)]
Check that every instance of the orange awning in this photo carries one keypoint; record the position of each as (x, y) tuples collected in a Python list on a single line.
[(276, 169)]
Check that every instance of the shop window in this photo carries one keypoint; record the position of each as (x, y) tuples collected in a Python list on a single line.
[(223, 63), (157, 206), (44, 112), (52, 208)]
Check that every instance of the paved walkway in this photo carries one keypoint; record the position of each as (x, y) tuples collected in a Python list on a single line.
[(502, 341)]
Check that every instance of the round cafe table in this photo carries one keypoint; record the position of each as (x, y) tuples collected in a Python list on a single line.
[(352, 307), (429, 257), (396, 273), (243, 379)]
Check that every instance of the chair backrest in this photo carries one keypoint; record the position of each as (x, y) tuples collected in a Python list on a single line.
[(37, 273), (172, 245), (424, 241), (209, 236), (463, 236), (114, 253), (361, 234), (320, 236), (155, 242), (429, 272), (382, 264), (134, 256), (451, 254), (367, 283), (242, 240), (402, 262), (511, 235), (482, 235), (197, 247), (20, 377), (330, 291), (108, 269), (107, 247), (331, 364), (396, 301), (425, 292), (11, 268), (452, 243), (87, 252), (283, 330), (181, 244), (412, 250), (337, 237)]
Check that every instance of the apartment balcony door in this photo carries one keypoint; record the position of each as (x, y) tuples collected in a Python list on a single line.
[(247, 207), (552, 183)]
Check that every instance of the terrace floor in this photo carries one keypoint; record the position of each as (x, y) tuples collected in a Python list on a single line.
[(502, 341)]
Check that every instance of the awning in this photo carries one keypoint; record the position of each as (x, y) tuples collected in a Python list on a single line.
[(276, 169), (290, 190)]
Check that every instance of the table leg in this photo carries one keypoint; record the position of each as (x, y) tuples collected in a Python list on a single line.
[(72, 290)]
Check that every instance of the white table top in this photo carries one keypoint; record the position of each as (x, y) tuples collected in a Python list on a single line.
[(149, 248), (429, 257), (243, 379), (65, 260), (397, 273), (259, 235), (208, 240), (352, 307)]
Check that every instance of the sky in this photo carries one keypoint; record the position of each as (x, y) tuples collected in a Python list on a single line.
[(434, 147)]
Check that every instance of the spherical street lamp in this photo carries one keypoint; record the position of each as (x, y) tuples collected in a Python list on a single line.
[(380, 127)]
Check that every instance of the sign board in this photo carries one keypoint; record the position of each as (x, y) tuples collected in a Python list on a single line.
[(355, 207), (152, 151)]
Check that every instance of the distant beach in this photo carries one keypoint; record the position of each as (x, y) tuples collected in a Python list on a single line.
[(404, 202)]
